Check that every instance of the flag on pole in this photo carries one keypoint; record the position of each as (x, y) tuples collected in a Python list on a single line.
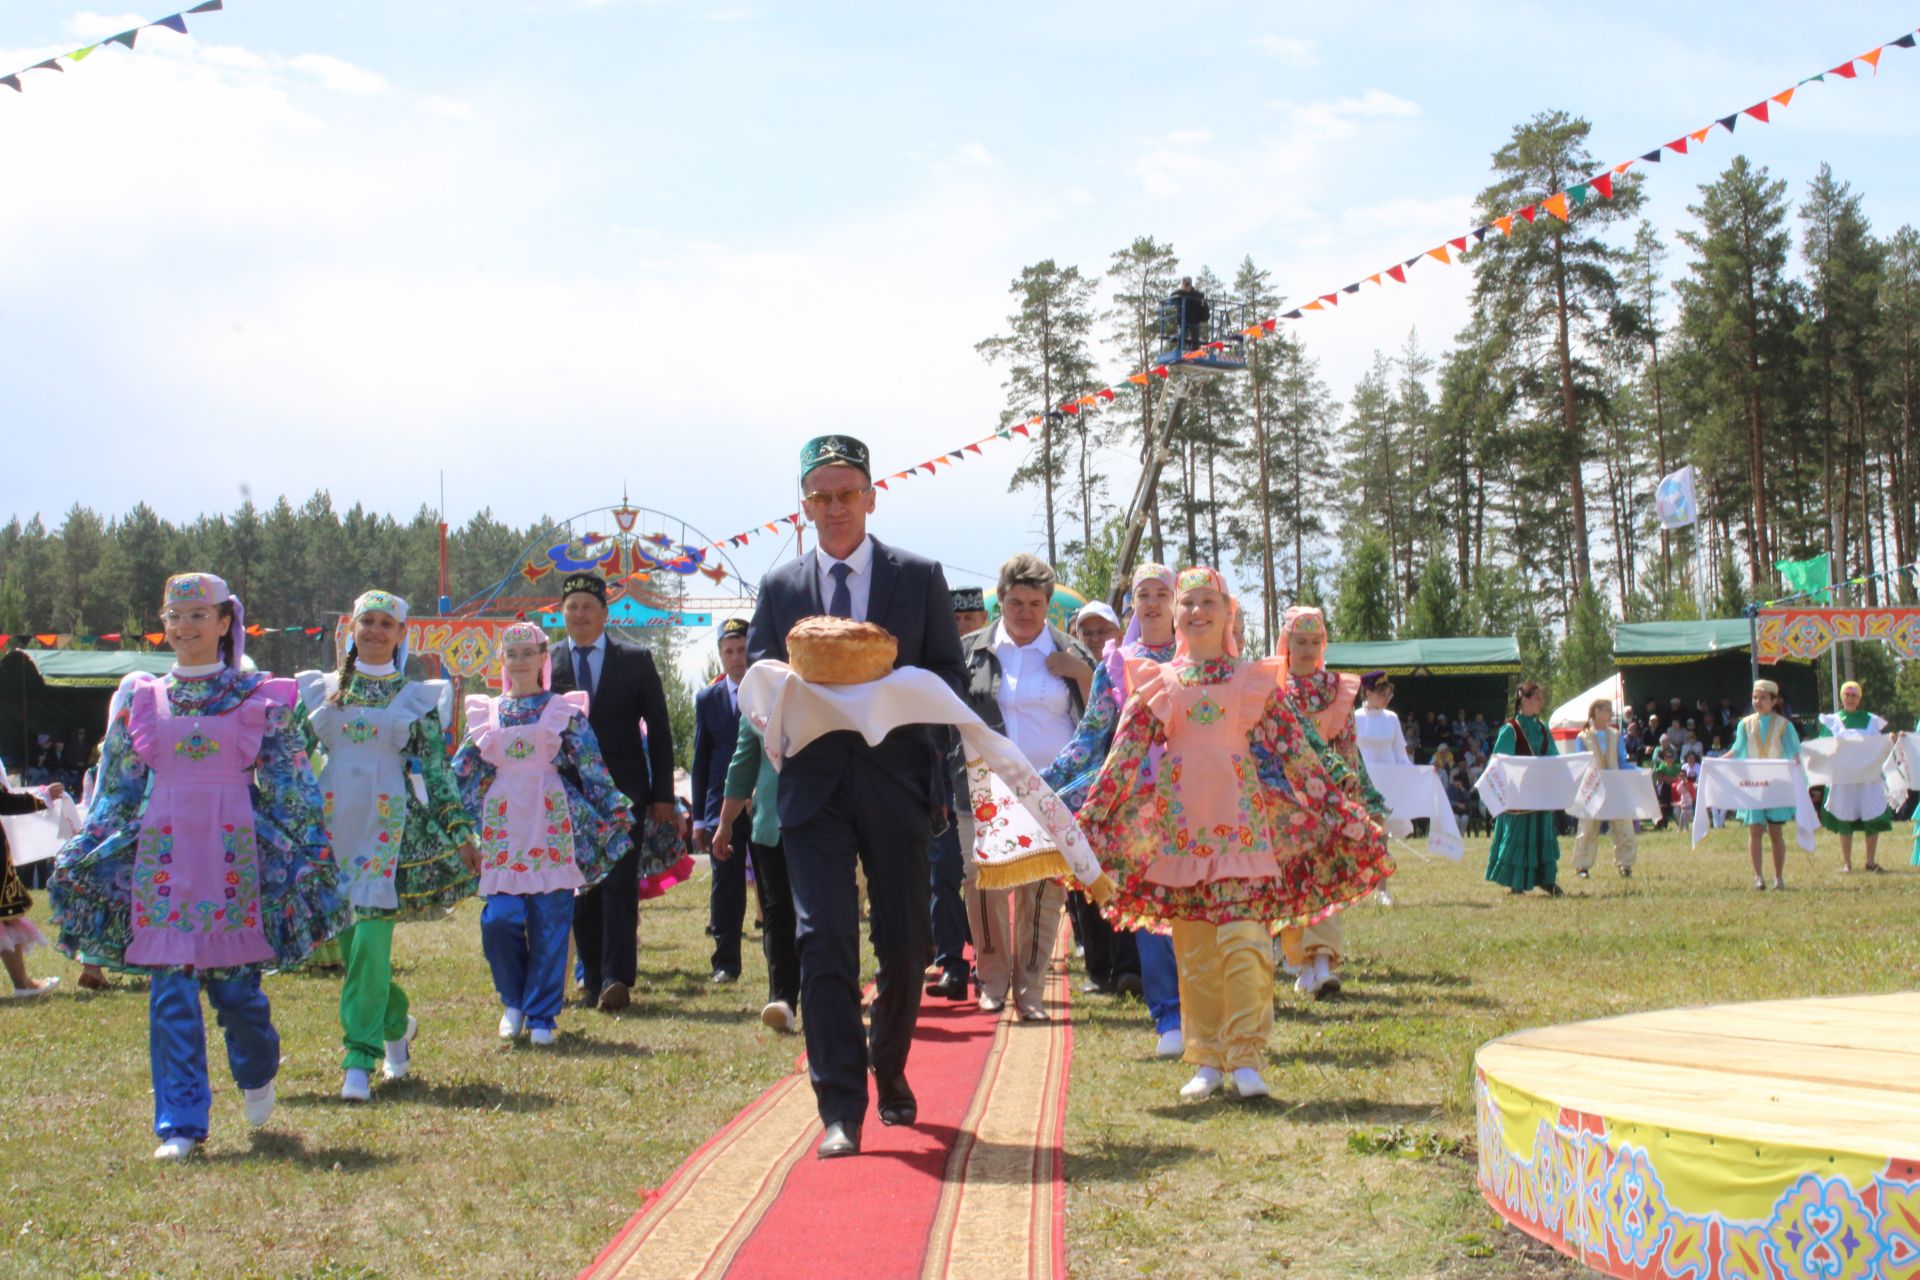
[(1674, 502), (1806, 576)]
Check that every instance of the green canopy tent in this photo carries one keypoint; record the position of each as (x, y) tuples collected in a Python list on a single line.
[(1471, 673), (1660, 661), (62, 693)]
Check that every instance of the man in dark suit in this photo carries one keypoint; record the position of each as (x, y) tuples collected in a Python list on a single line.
[(716, 731), (624, 692), (844, 802)]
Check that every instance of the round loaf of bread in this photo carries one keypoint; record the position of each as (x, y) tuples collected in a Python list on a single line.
[(840, 651)]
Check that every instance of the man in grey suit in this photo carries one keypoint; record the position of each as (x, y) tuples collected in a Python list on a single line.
[(844, 802)]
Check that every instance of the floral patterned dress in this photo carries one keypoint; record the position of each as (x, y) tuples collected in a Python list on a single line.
[(583, 822), (1073, 771), (275, 857), (1312, 697), (1245, 822), (424, 875)]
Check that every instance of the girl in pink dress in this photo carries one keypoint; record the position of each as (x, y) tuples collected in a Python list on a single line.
[(551, 822), (1244, 830)]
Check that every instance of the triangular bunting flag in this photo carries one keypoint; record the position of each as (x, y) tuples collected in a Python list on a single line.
[(1604, 185), (1410, 261), (1459, 243), (154, 637), (80, 55), (1845, 71), (1679, 144), (175, 21), (1088, 400), (929, 468), (1349, 288), (1505, 224), (1904, 42), (1023, 429), (1578, 193), (1526, 213), (1106, 393), (1005, 433), (1160, 371), (1439, 252), (879, 484), (1331, 299), (1313, 306), (1292, 315), (1139, 379), (1374, 278), (1070, 407), (1269, 325), (12, 82), (1758, 111), (46, 642), (209, 7), (1556, 204), (1700, 135), (959, 453), (1480, 233), (51, 64), (1624, 165), (1727, 122), (1872, 60), (1652, 157), (125, 37), (974, 447), (772, 527), (313, 631), (1783, 97), (1398, 273)]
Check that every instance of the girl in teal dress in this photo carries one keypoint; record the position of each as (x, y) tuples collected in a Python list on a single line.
[(1526, 849), (1766, 735)]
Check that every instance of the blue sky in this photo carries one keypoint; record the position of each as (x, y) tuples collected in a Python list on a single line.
[(554, 246)]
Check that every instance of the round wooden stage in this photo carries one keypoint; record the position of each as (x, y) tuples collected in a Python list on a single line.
[(1767, 1141)]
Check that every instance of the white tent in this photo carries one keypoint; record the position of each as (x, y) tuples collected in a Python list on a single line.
[(1570, 717)]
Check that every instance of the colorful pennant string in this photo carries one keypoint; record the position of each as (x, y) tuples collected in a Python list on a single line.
[(172, 22), (57, 639), (1559, 206)]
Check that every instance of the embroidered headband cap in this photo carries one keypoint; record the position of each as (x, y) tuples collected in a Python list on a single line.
[(591, 583), (1766, 686), (1202, 578), (827, 451), (525, 633), (378, 601), (733, 627), (1150, 573), (969, 599), (1303, 620), (211, 588)]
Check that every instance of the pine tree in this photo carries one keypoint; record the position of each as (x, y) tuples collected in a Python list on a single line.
[(1586, 657), (1048, 362), (1365, 586), (1436, 610), (1897, 359), (1141, 275)]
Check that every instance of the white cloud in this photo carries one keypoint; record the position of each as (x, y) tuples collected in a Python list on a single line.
[(1292, 50), (452, 108), (342, 77), (1340, 117)]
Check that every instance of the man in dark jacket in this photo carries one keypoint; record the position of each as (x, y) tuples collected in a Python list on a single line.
[(716, 731), (844, 802), (623, 692)]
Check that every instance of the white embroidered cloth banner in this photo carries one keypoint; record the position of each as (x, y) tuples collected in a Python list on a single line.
[(1615, 795), (35, 837), (1726, 783), (1855, 756), (1415, 791), (1531, 783), (790, 714)]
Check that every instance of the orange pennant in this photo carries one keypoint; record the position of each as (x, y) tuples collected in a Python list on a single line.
[(1374, 278), (154, 637), (1556, 205), (1700, 135), (1138, 379), (1441, 254), (1313, 306), (1783, 97), (46, 642), (1505, 224), (1872, 59), (1623, 166), (1088, 399)]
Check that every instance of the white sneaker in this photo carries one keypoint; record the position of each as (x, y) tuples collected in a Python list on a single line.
[(43, 987), (1382, 897), (400, 1052), (1248, 1084), (512, 1022), (778, 1014), (1205, 1081), (175, 1149), (355, 1087), (1325, 981), (1308, 982), (1171, 1044), (258, 1103), (541, 1035)]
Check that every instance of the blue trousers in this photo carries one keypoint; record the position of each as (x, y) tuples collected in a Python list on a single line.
[(948, 868), (524, 936), (177, 1046), (1160, 978)]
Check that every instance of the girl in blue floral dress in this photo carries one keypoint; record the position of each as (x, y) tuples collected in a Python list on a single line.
[(551, 822), (204, 859)]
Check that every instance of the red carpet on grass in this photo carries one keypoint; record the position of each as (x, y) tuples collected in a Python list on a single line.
[(974, 1189)]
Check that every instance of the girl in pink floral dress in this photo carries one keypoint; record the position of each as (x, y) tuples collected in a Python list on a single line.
[(1245, 830)]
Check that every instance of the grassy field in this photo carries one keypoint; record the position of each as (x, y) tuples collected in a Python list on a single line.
[(504, 1161)]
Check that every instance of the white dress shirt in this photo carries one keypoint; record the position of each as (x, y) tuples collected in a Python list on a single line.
[(859, 582), (1034, 703)]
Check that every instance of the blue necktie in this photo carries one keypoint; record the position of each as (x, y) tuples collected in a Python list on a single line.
[(841, 606), (582, 671)]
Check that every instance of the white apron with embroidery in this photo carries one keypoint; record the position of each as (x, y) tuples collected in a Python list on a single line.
[(526, 829)]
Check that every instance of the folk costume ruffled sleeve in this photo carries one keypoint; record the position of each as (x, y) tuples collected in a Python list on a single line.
[(398, 855), (1241, 820), (206, 845), (1073, 771)]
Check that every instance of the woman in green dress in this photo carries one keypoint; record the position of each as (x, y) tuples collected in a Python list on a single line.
[(1766, 735), (1526, 850), (1852, 807)]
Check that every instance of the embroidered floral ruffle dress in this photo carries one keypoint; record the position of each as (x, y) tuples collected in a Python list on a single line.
[(531, 773), (1216, 804), (205, 847), (1073, 771), (398, 856)]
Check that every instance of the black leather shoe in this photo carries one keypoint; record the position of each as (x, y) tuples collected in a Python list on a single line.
[(896, 1103), (840, 1139), (1129, 984), (951, 986)]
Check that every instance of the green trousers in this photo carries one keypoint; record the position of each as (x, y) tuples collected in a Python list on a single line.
[(373, 1008)]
